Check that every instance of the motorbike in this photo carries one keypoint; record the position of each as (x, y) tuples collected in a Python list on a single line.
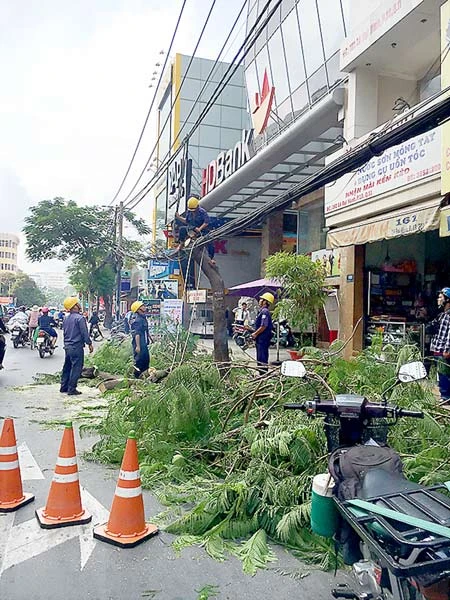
[(44, 344), (96, 333), (396, 532), (286, 336), (242, 335), (18, 333)]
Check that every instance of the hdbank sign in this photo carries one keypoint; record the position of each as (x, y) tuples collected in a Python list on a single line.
[(227, 162)]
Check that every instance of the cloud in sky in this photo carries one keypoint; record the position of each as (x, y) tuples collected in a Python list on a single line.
[(75, 93)]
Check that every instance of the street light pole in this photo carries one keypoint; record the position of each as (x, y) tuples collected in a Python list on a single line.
[(119, 259)]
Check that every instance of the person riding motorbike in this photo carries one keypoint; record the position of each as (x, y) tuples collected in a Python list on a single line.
[(195, 223), (47, 323), (20, 321), (33, 320), (2, 341), (94, 323)]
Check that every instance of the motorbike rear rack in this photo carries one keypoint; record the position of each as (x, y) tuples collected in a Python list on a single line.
[(405, 550)]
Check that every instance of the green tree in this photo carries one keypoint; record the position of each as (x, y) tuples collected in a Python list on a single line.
[(302, 282), (26, 292), (61, 229)]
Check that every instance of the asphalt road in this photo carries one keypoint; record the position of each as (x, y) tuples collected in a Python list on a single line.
[(38, 564)]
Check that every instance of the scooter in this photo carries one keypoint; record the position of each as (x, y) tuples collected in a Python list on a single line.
[(19, 334), (397, 532), (96, 333), (44, 344), (242, 335)]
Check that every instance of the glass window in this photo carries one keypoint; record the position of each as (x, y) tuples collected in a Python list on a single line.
[(251, 78), (317, 85), (262, 63), (300, 100), (332, 26), (286, 7), (190, 88), (229, 137), (284, 109), (274, 22), (334, 74), (165, 132), (231, 117), (209, 136), (278, 64), (293, 50), (262, 38), (311, 39)]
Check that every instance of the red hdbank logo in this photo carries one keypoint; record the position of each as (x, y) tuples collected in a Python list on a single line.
[(262, 105)]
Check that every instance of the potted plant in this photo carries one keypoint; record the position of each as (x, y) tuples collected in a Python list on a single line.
[(302, 293)]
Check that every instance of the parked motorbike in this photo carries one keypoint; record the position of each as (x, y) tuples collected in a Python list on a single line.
[(242, 335), (44, 344), (286, 336), (394, 532), (19, 334)]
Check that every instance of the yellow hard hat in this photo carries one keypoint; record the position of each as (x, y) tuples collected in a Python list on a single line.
[(193, 203), (269, 297), (70, 302), (136, 306)]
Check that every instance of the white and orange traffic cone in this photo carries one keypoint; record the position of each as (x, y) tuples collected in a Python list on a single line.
[(12, 496), (126, 526), (63, 506)]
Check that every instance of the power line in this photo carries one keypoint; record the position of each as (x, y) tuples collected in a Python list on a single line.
[(411, 126), (221, 84), (175, 99), (151, 104)]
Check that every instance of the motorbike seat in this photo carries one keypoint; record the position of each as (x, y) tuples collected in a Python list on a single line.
[(378, 482)]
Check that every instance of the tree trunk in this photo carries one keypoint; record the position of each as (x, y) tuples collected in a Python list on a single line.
[(221, 353), (108, 311)]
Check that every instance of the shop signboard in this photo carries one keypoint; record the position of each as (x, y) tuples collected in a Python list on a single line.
[(445, 82), (411, 222), (160, 269), (330, 259), (407, 163), (153, 313), (162, 289), (227, 162), (196, 296), (444, 222), (387, 14), (172, 311)]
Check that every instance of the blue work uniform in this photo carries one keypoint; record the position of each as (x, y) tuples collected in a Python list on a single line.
[(139, 326), (75, 337), (46, 323), (262, 341), (196, 218)]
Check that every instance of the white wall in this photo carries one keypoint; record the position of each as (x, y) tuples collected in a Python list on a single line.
[(240, 264)]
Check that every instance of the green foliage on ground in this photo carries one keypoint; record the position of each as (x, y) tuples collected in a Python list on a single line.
[(233, 468)]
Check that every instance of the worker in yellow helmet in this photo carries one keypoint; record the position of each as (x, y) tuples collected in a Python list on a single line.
[(263, 330), (195, 223), (76, 336), (140, 338)]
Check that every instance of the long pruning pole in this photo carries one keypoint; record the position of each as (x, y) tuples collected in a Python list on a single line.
[(119, 258)]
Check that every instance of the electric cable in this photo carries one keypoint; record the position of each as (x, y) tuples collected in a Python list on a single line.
[(223, 82), (151, 104), (211, 8), (438, 113)]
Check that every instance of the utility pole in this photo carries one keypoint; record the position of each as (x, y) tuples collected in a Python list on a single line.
[(119, 258)]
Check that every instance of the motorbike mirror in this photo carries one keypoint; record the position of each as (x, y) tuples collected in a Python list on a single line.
[(413, 371), (293, 368)]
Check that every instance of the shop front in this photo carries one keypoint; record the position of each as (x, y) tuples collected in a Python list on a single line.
[(385, 221)]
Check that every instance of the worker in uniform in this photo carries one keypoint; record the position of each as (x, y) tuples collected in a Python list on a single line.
[(140, 338), (263, 330), (76, 336)]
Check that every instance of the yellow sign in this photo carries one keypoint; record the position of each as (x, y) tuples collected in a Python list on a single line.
[(445, 82), (444, 224)]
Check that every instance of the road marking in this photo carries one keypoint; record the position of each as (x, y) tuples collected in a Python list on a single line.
[(29, 469), (19, 543)]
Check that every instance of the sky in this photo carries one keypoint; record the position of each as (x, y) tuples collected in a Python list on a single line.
[(75, 92)]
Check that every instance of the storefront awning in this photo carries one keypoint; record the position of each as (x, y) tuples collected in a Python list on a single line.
[(407, 221)]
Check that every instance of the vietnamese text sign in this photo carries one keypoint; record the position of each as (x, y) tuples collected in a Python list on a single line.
[(172, 311), (412, 161), (196, 296)]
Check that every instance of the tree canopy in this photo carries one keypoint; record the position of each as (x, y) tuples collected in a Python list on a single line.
[(24, 289)]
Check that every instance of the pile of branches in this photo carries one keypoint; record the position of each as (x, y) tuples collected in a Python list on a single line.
[(215, 438)]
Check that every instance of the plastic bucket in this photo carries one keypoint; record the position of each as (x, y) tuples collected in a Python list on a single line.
[(324, 515)]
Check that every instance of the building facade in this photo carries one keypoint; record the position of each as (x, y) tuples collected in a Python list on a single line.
[(9, 243), (384, 219)]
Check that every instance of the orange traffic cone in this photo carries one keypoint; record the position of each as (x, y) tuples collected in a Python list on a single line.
[(11, 492), (64, 500), (126, 526)]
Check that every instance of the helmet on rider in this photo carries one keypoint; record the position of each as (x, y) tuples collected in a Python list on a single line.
[(270, 298), (193, 203), (45, 309), (136, 306), (70, 302)]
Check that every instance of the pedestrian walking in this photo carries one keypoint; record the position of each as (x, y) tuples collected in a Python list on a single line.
[(263, 330), (76, 336), (440, 344), (140, 338)]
